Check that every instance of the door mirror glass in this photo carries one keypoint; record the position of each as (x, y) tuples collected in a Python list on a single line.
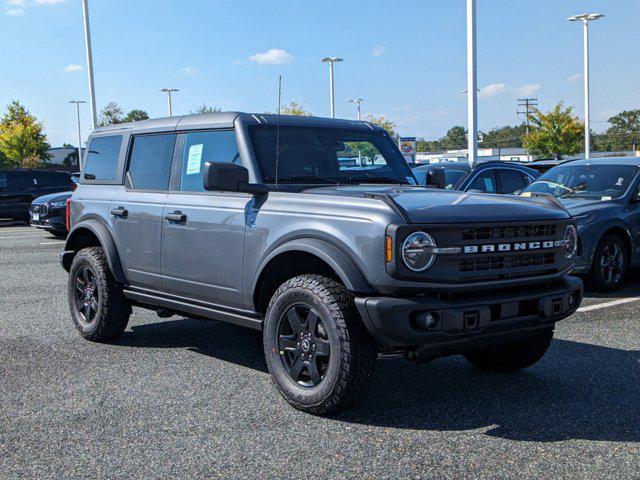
[(225, 177)]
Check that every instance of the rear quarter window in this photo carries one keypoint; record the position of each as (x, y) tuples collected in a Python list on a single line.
[(102, 158)]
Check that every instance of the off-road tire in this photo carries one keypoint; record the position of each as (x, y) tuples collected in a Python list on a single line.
[(513, 356), (113, 311), (352, 350), (596, 279)]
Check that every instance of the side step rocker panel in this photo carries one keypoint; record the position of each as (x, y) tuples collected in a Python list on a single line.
[(183, 306)]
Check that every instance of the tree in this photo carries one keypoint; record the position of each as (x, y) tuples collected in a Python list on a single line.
[(22, 139), (624, 131), (136, 115), (455, 138), (504, 137), (205, 109), (111, 114), (555, 133), (382, 121), (295, 109)]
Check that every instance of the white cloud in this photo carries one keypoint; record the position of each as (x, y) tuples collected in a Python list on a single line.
[(49, 2), (529, 89), (273, 56), (73, 68), (187, 72), (379, 50), (492, 90), (15, 12), (574, 77), (16, 3)]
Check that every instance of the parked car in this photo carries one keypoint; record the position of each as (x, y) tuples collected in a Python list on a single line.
[(19, 187), (49, 213), (251, 219), (602, 195), (488, 177)]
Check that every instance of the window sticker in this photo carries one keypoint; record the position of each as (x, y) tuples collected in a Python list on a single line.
[(488, 184), (620, 182), (194, 159), (604, 199)]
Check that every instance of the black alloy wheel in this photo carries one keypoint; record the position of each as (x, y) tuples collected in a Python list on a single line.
[(610, 264), (303, 344), (87, 298)]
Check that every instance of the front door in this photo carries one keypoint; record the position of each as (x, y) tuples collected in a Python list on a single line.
[(203, 232), (136, 209)]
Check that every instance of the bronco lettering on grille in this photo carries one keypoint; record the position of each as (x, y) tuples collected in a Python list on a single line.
[(516, 247)]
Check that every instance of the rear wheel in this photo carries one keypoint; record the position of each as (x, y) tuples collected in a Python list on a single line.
[(99, 309), (513, 356), (317, 350), (610, 264)]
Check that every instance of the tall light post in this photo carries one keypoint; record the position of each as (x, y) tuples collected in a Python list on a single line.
[(331, 61), (87, 40), (78, 102), (357, 101), (585, 18), (472, 84), (168, 91)]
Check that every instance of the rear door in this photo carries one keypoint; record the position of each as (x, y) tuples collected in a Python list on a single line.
[(136, 208), (203, 231), (511, 180), (484, 181)]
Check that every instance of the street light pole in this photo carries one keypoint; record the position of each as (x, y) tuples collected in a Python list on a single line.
[(87, 39), (168, 92), (357, 101), (472, 84), (78, 102), (331, 61), (586, 18)]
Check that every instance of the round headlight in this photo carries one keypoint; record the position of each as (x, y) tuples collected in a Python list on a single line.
[(570, 241), (417, 251)]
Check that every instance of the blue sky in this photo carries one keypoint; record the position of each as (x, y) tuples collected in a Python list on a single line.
[(407, 59)]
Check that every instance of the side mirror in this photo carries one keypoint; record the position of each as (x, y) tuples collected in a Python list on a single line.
[(636, 196), (437, 178), (229, 177)]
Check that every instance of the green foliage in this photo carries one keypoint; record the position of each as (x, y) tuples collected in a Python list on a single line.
[(295, 109), (455, 138), (554, 133), (504, 137), (22, 139), (624, 131), (136, 115), (204, 108)]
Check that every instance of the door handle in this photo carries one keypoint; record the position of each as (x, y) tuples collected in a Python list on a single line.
[(120, 212), (177, 217)]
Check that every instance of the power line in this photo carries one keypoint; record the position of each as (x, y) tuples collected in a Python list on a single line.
[(528, 104)]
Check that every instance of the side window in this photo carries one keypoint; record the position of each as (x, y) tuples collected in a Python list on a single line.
[(201, 147), (46, 179), (150, 162), (484, 182), (102, 158), (511, 181)]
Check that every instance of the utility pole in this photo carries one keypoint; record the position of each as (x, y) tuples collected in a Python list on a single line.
[(87, 39), (528, 104), (168, 91), (78, 102), (472, 84)]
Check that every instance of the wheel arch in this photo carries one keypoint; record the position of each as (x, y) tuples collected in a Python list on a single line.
[(622, 232), (305, 255), (93, 233)]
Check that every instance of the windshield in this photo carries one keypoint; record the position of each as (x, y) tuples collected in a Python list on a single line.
[(452, 177), (314, 155), (600, 182)]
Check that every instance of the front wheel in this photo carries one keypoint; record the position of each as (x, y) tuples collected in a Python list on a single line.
[(513, 356), (318, 352), (610, 264)]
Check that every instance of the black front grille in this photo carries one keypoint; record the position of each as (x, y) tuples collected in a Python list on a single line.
[(42, 208), (509, 232), (500, 262)]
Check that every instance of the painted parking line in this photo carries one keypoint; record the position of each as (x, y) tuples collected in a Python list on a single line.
[(22, 236), (612, 303), (59, 242)]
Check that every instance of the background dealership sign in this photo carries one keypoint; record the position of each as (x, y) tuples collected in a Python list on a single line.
[(408, 146)]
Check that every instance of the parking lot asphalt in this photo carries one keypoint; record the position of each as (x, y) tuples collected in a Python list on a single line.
[(181, 398)]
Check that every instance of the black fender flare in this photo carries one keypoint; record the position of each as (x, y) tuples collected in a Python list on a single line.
[(350, 275), (101, 231)]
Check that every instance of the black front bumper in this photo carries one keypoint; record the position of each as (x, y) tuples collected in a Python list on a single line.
[(467, 321)]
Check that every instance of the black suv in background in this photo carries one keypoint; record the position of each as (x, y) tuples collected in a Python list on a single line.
[(19, 187), (49, 213), (488, 177)]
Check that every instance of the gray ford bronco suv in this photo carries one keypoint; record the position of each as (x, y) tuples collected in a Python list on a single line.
[(313, 231)]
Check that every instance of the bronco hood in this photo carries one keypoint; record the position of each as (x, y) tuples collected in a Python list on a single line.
[(427, 205)]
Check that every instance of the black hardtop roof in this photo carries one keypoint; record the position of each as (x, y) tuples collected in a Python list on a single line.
[(227, 119), (633, 161)]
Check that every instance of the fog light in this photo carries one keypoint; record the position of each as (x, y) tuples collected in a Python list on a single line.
[(427, 320)]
